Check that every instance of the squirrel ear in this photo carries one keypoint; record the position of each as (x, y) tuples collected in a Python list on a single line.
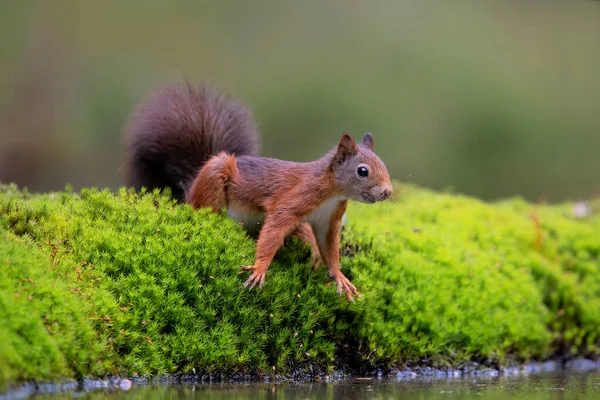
[(346, 148), (368, 141)]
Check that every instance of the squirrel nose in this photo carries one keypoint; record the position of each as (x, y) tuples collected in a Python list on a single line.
[(387, 192)]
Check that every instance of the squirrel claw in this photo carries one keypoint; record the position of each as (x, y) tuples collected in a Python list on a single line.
[(344, 285), (257, 278)]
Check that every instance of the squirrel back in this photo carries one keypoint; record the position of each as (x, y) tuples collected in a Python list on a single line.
[(174, 131)]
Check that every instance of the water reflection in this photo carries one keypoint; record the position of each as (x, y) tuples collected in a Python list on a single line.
[(556, 386)]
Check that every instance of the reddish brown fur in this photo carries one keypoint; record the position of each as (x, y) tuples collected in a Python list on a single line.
[(209, 189), (286, 196), (288, 193), (331, 251), (204, 144)]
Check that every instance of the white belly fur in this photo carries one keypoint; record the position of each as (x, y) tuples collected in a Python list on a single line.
[(318, 219), (321, 218), (252, 222), (322, 215)]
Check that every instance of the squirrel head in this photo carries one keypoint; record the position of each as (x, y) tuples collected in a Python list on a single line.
[(358, 173)]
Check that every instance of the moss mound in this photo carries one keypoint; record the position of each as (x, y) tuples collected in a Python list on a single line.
[(99, 283)]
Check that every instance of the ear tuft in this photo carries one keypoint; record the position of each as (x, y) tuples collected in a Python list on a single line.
[(368, 141)]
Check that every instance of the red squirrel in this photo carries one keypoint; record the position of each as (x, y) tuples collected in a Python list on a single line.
[(203, 145)]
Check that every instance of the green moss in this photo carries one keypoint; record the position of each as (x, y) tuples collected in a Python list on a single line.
[(44, 332), (451, 278), (121, 283)]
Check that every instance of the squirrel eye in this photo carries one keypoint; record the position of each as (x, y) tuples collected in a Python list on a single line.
[(362, 171)]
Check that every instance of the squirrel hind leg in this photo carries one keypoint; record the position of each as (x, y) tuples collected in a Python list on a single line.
[(305, 233), (210, 185)]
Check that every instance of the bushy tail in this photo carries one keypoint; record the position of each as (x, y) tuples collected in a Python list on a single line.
[(176, 130)]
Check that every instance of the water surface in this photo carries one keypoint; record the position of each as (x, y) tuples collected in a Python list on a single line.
[(547, 386)]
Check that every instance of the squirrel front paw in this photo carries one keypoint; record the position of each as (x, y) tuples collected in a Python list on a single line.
[(344, 284), (257, 277)]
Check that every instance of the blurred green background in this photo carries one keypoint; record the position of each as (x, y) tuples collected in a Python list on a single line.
[(488, 98)]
